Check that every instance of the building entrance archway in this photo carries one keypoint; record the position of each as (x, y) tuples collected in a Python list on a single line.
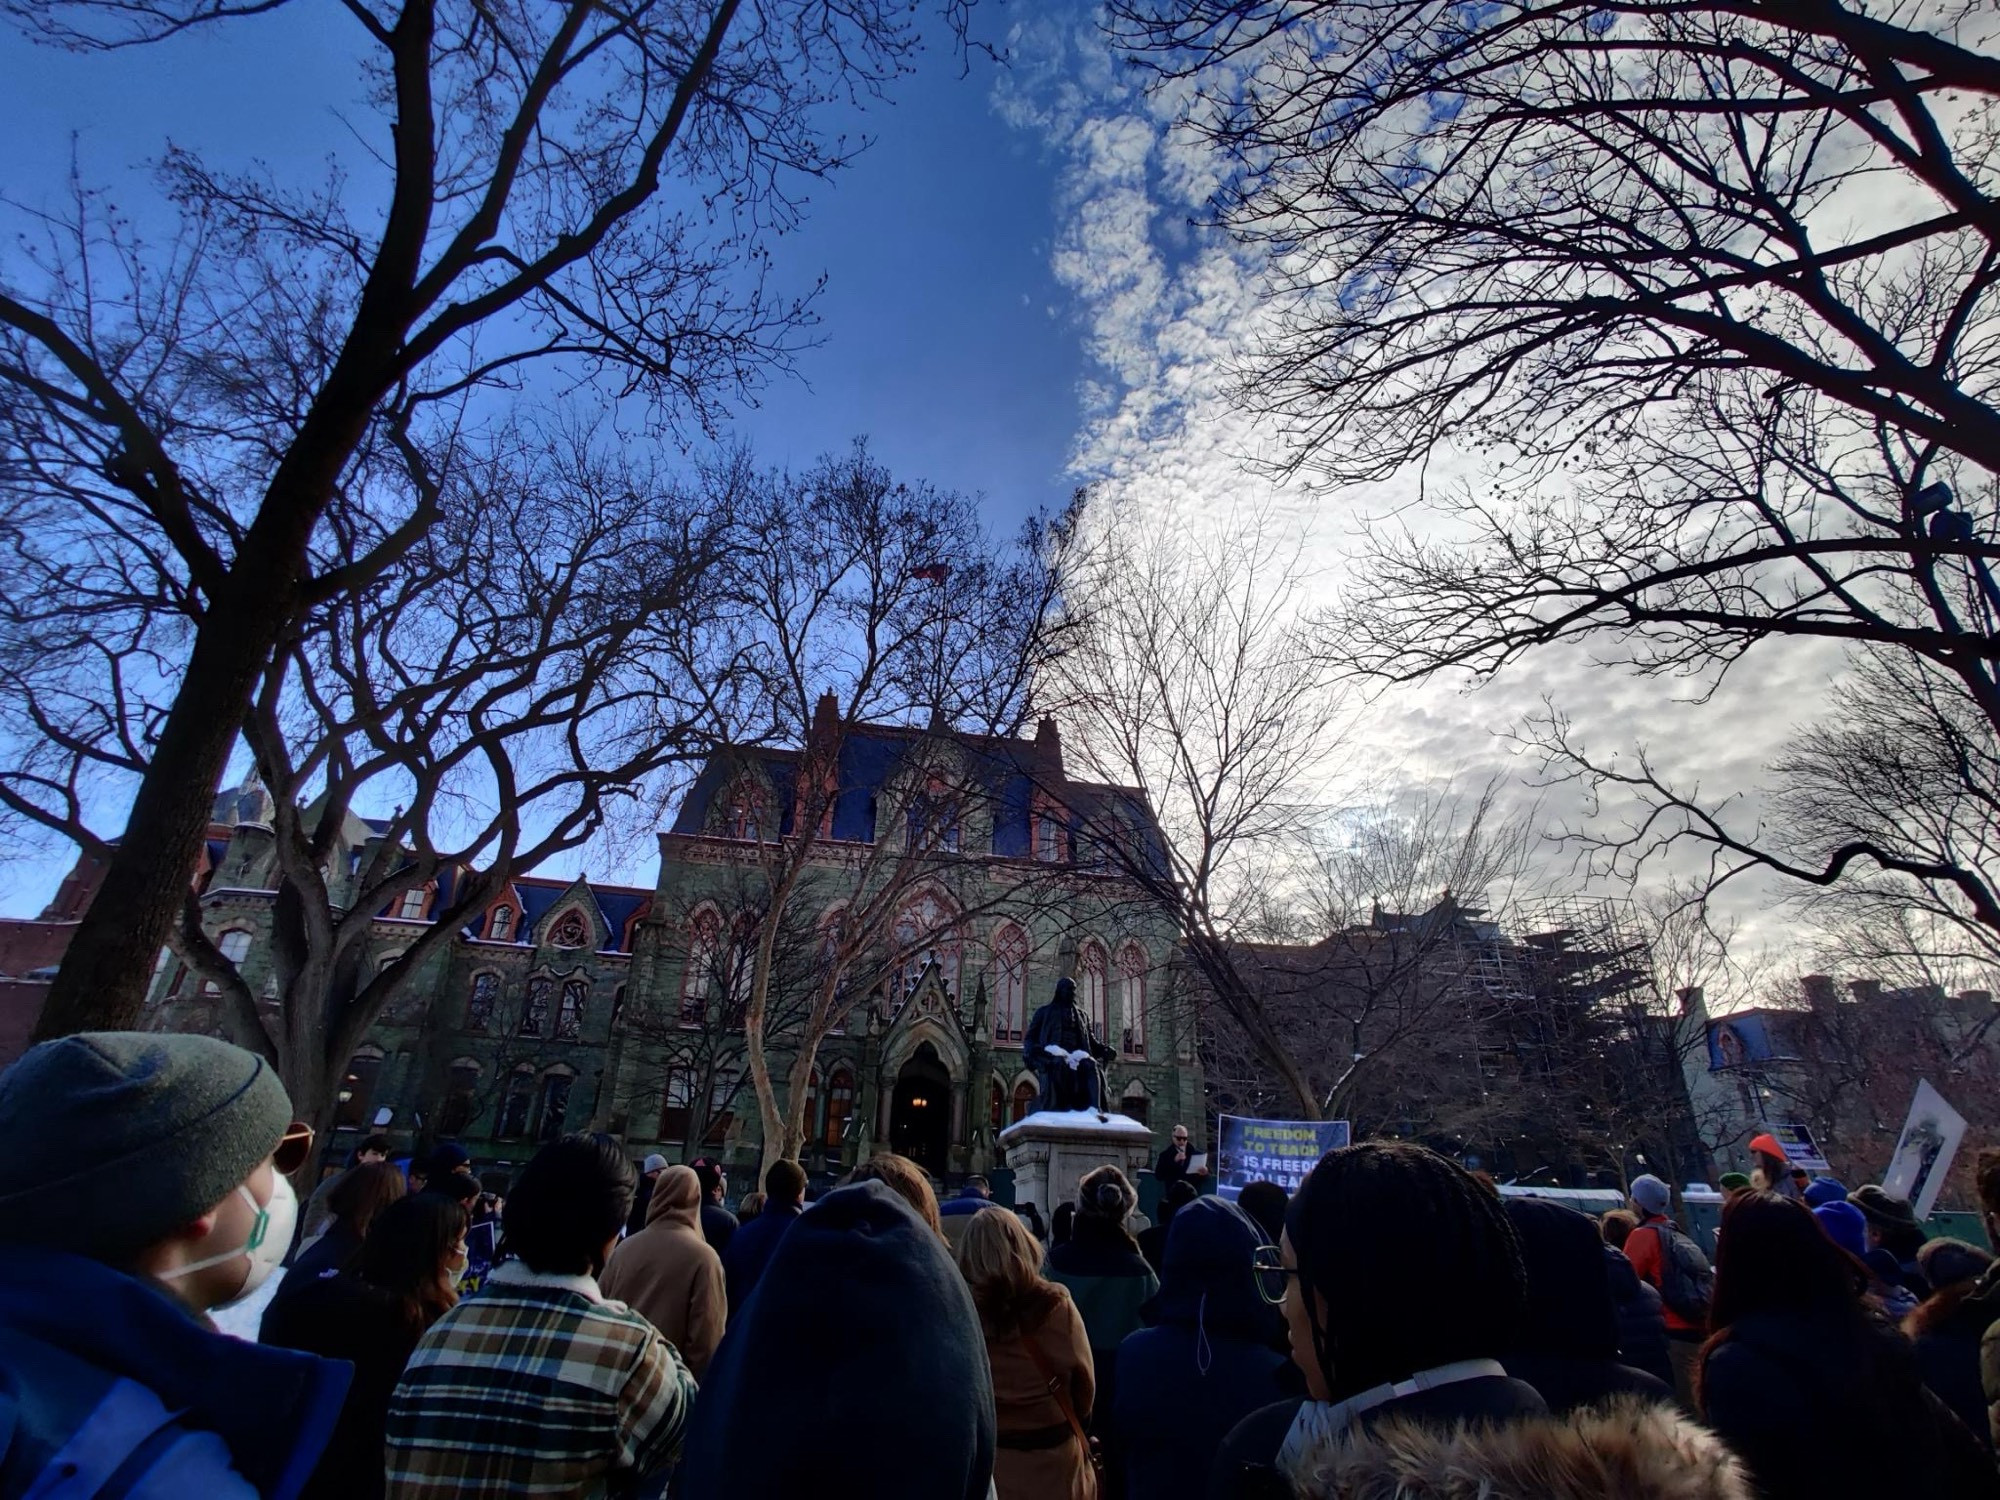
[(920, 1111)]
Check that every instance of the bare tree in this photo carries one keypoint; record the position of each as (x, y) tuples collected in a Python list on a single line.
[(581, 192), (510, 681), (1192, 683), (1705, 292), (865, 600)]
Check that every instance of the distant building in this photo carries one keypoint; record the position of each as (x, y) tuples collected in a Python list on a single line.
[(1844, 1061), (574, 1004)]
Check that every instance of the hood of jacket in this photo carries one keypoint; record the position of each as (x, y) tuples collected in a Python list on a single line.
[(275, 1408), (1206, 1277), (859, 1312), (676, 1199), (1571, 1311), (1631, 1450)]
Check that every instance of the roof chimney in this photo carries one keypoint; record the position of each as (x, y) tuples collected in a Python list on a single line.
[(1865, 990), (1819, 991), (1694, 1003), (1048, 742), (825, 720)]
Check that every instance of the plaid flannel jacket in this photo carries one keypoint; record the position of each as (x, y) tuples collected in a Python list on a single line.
[(536, 1386)]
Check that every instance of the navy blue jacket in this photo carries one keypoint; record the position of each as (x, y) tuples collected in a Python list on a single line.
[(1207, 1362), (750, 1250), (858, 1369), (108, 1373)]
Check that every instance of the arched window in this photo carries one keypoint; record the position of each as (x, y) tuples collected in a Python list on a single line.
[(480, 1003), (1010, 983), (517, 1104), (460, 1086), (1135, 1105), (357, 1089), (535, 1009), (1132, 998), (703, 957), (554, 1105), (501, 928), (569, 1014), (411, 908), (925, 933), (233, 945), (570, 930), (676, 1105), (839, 1108), (1090, 985), (1024, 1101), (811, 1130)]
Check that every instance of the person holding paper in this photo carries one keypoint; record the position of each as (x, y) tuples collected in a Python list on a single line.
[(1179, 1160)]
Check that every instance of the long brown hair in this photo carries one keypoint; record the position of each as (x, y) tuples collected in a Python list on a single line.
[(908, 1181), (408, 1254), (362, 1193), (1002, 1264)]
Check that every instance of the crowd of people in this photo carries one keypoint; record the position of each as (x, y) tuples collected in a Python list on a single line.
[(1396, 1327)]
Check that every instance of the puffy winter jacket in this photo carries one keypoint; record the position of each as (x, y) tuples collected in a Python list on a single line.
[(1642, 1320), (108, 1381)]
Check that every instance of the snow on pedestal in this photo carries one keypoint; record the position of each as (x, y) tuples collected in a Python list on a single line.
[(1051, 1150)]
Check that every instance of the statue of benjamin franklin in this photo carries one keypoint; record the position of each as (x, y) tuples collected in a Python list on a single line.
[(1063, 1054)]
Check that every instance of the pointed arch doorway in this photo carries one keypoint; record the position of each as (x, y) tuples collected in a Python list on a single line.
[(920, 1111)]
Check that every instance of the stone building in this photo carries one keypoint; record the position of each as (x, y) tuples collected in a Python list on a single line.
[(572, 1004)]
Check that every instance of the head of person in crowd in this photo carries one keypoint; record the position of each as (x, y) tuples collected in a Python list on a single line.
[(906, 1179), (446, 1158), (1843, 1224), (1770, 1169), (1104, 1204), (568, 1205), (714, 1182), (458, 1187), (784, 1185), (1062, 1225), (1734, 1182), (1616, 1226), (859, 1311), (1949, 1263), (361, 1194), (1892, 1222), (373, 1149), (975, 1186), (1367, 1307), (415, 1251), (1986, 1181), (162, 1155), (1266, 1203), (751, 1206), (1651, 1197), (1002, 1265), (1207, 1276), (652, 1167), (1821, 1191), (1032, 1217), (1175, 1197), (1773, 1254)]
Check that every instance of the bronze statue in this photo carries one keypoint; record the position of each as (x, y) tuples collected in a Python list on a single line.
[(1063, 1054)]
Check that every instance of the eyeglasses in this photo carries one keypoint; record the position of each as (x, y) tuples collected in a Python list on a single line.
[(293, 1148), (1273, 1276)]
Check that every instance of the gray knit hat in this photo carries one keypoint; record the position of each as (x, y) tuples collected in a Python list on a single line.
[(110, 1139)]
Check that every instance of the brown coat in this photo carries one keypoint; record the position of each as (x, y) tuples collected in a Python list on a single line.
[(667, 1273), (1023, 1403)]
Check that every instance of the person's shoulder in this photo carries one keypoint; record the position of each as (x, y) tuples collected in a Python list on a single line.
[(1253, 1443)]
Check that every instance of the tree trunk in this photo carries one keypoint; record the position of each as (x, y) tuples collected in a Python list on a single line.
[(101, 985)]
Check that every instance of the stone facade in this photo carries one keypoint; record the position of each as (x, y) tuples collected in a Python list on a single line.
[(575, 1004)]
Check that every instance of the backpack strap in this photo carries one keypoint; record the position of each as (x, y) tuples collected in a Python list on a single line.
[(127, 1424)]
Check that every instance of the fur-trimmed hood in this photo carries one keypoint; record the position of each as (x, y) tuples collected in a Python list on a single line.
[(1630, 1450)]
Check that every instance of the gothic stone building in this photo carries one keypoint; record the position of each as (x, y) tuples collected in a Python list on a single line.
[(573, 1004)]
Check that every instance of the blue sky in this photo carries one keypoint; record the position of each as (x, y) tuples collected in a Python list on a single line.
[(944, 336)]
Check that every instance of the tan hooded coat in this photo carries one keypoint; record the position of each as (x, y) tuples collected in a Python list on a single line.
[(667, 1273), (1629, 1451)]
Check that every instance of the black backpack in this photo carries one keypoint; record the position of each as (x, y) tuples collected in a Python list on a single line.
[(1687, 1281)]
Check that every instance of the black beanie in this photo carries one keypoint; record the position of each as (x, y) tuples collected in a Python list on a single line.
[(111, 1139)]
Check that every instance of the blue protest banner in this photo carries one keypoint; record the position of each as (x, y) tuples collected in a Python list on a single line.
[(1280, 1151)]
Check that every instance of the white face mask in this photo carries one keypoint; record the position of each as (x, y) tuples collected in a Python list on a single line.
[(270, 1238)]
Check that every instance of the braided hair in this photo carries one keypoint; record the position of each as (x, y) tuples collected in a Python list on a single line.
[(1415, 1261)]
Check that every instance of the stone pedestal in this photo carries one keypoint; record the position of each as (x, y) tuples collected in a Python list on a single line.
[(1049, 1153)]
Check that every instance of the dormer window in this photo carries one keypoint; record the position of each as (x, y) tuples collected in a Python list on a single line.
[(501, 928), (1050, 836), (933, 820), (739, 817), (413, 903)]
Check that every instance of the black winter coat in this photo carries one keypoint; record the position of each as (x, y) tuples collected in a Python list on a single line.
[(343, 1317), (1947, 1332), (1818, 1404), (1642, 1319)]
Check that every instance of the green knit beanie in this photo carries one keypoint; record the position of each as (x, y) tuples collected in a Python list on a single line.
[(111, 1139)]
